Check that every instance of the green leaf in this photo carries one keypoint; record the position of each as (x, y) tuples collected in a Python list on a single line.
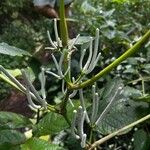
[(132, 92), (39, 144), (11, 137), (51, 123), (9, 120), (12, 51), (123, 111), (141, 140)]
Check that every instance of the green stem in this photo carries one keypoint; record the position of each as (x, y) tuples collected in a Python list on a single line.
[(63, 110), (106, 138), (63, 24), (91, 135), (106, 70)]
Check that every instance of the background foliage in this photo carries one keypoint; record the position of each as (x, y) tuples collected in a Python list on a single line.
[(121, 24)]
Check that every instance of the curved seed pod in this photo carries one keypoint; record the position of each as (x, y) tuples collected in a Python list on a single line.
[(73, 94), (13, 79), (42, 101), (34, 106), (35, 110)]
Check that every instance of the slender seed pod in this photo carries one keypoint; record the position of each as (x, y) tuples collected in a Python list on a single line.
[(70, 101), (93, 64), (83, 141), (56, 31), (68, 69), (81, 59), (50, 40), (93, 104), (12, 78), (74, 42), (30, 100), (95, 109), (73, 125), (81, 116), (57, 66), (53, 74), (103, 114), (63, 87), (90, 56), (83, 104), (95, 51), (43, 81), (42, 101)]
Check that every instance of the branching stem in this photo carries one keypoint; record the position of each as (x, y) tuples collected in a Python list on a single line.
[(106, 70)]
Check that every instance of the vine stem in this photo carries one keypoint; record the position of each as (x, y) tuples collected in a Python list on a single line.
[(106, 138), (63, 24), (106, 70)]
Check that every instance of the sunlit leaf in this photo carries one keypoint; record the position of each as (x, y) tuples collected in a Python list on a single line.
[(39, 144)]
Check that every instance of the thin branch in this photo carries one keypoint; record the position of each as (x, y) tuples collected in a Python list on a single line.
[(106, 138)]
